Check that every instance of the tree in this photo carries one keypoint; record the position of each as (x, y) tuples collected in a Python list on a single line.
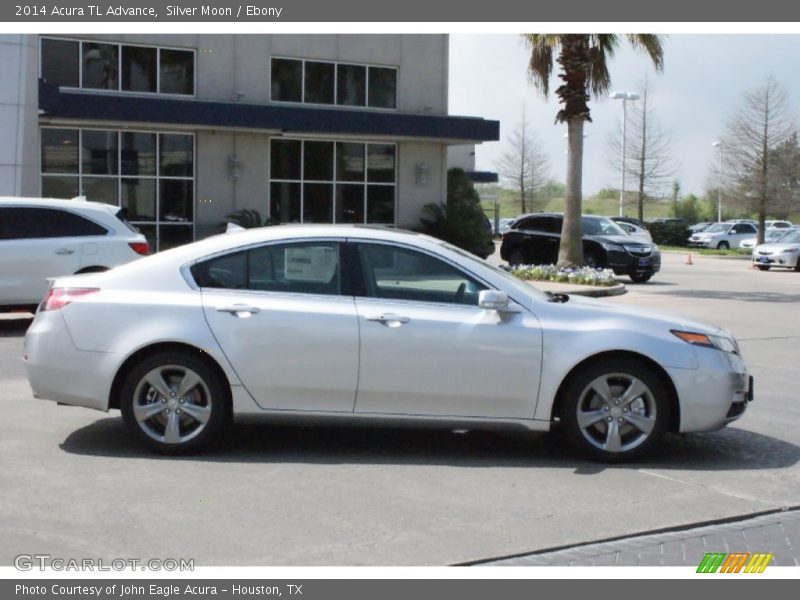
[(583, 61), (524, 167), (648, 150), (760, 125), (785, 158)]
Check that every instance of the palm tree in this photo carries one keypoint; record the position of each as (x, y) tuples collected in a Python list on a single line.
[(583, 59)]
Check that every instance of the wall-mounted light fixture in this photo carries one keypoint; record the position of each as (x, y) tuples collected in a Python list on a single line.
[(421, 174), (234, 166)]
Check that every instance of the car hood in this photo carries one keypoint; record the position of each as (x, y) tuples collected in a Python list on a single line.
[(776, 246), (622, 240)]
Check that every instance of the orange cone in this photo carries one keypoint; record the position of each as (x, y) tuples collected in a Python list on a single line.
[(689, 259)]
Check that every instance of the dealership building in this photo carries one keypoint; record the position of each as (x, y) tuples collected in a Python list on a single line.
[(182, 130)]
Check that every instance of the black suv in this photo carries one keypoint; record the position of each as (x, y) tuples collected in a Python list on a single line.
[(535, 239)]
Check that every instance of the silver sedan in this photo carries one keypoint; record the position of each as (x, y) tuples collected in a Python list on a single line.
[(361, 324)]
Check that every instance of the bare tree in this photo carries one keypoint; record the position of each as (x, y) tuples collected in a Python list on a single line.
[(785, 178), (524, 167), (649, 162), (760, 125)]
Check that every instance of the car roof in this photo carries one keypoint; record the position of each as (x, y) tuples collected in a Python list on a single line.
[(76, 204)]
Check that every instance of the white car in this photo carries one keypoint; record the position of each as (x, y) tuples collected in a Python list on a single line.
[(770, 235), (722, 235), (778, 225), (364, 324), (784, 252), (42, 238)]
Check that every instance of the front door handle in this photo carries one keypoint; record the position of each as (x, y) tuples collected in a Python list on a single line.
[(63, 251), (389, 319), (239, 310)]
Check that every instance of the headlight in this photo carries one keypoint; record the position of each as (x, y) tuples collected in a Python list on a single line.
[(789, 250), (708, 341), (612, 247)]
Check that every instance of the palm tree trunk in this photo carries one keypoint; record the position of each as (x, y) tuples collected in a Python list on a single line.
[(570, 252)]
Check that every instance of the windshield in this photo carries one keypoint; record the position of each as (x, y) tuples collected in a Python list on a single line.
[(717, 228), (774, 235), (601, 226), (793, 237)]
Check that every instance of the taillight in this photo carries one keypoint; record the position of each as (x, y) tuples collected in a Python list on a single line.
[(505, 237), (58, 298), (140, 248)]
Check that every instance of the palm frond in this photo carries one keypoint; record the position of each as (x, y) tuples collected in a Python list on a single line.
[(651, 45), (540, 64)]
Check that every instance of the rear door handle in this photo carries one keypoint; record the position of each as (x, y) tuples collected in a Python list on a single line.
[(388, 318), (62, 251), (239, 310)]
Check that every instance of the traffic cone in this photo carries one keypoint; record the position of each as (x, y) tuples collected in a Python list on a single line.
[(689, 259)]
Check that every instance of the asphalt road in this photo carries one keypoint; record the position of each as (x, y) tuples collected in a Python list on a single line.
[(73, 484)]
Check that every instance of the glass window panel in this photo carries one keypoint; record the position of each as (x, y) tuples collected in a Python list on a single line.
[(100, 189), (99, 152), (170, 236), (382, 87), (177, 71), (225, 272), (59, 150), (319, 82), (138, 199), (139, 70), (176, 200), (100, 64), (61, 62), (284, 203), (349, 203), (317, 203), (380, 163), (285, 159), (138, 153), (59, 187), (380, 204), (295, 268), (287, 80), (349, 161), (318, 161), (351, 85), (32, 222), (176, 155)]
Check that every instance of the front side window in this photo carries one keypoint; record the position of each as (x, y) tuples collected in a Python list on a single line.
[(305, 268), (396, 273)]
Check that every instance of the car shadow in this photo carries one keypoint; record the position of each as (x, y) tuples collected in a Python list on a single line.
[(15, 326), (729, 449)]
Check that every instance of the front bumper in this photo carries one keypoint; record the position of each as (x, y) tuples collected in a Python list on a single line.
[(701, 243), (714, 394), (777, 260), (623, 263)]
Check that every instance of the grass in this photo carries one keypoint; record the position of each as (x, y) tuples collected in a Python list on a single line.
[(709, 251)]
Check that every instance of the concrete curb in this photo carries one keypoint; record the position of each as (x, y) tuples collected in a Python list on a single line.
[(592, 291)]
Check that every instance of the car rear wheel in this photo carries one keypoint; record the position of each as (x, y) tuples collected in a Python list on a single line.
[(174, 402), (615, 410), (516, 258), (723, 246)]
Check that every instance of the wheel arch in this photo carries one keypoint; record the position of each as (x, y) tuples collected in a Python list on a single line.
[(669, 385), (92, 269), (151, 349)]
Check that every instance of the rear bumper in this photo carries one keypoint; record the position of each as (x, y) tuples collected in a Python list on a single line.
[(58, 371)]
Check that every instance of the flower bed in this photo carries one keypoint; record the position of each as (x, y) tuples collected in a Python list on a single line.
[(577, 275)]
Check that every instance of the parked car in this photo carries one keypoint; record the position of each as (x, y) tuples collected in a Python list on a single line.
[(781, 253), (722, 235), (769, 224), (41, 238), (535, 239), (771, 235), (369, 325), (698, 227)]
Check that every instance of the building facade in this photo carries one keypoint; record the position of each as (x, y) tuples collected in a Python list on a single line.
[(183, 130)]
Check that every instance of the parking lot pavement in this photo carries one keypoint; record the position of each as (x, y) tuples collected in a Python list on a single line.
[(776, 533), (73, 484)]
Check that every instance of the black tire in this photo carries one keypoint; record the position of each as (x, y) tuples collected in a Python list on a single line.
[(516, 258), (651, 408), (641, 277), (797, 265), (591, 259), (723, 246), (763, 267), (209, 399)]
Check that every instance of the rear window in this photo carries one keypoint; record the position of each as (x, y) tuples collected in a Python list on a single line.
[(23, 222)]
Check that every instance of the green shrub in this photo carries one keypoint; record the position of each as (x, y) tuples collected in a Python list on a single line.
[(669, 234)]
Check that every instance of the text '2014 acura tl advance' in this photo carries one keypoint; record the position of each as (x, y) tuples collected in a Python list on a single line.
[(354, 323)]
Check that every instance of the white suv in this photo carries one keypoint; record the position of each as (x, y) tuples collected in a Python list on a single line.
[(722, 235), (41, 238)]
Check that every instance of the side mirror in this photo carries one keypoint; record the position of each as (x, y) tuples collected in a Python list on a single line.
[(493, 300)]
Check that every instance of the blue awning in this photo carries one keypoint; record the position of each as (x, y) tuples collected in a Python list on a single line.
[(482, 176), (86, 106)]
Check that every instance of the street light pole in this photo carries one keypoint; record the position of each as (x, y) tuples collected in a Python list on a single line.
[(624, 96), (718, 144)]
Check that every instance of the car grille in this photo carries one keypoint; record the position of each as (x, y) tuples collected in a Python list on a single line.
[(639, 250), (764, 252)]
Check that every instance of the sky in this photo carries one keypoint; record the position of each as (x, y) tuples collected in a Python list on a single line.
[(703, 80)]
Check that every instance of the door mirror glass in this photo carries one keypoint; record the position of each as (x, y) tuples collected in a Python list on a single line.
[(493, 300)]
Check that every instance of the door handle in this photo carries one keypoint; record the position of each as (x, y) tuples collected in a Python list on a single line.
[(239, 310), (63, 251), (388, 319)]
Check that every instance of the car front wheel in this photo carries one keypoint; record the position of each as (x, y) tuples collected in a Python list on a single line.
[(640, 277), (174, 402), (615, 410), (723, 246)]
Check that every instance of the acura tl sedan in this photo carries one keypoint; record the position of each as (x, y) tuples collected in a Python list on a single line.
[(371, 325)]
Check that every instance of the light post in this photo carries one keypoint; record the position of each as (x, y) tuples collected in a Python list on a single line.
[(718, 144), (624, 96)]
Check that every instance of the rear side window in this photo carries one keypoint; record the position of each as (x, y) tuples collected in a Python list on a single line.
[(308, 268), (21, 222), (545, 224)]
